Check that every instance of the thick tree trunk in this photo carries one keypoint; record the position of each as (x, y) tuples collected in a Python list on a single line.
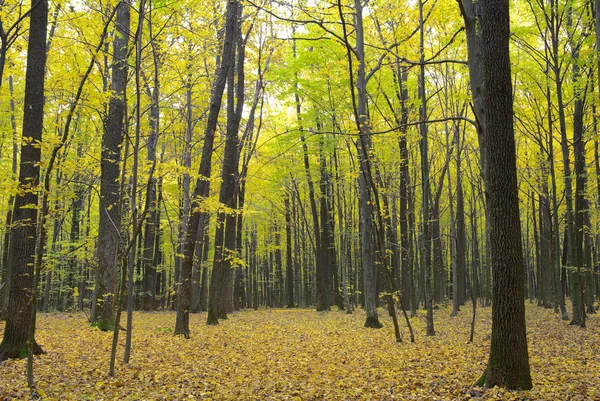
[(508, 364), (23, 235), (109, 224)]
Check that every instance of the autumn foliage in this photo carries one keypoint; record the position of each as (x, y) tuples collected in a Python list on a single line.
[(302, 355)]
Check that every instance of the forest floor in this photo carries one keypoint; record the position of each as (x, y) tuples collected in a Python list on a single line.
[(302, 355)]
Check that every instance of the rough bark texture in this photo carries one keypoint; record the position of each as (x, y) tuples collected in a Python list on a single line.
[(508, 365), (23, 234), (109, 223), (220, 295), (364, 145), (201, 190)]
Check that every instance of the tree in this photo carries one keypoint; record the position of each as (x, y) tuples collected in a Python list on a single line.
[(220, 299), (508, 365), (109, 225), (23, 234), (199, 219)]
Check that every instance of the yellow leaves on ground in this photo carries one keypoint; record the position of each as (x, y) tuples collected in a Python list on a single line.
[(302, 355)]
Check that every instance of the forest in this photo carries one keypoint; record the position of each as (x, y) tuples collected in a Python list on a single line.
[(299, 199)]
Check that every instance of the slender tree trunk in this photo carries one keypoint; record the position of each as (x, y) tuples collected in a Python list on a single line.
[(461, 232), (577, 299), (568, 186), (559, 294), (453, 238), (289, 270), (220, 300), (203, 183), (404, 194), (6, 272), (425, 176)]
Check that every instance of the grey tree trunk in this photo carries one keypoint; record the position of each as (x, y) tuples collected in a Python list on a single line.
[(109, 224), (6, 273)]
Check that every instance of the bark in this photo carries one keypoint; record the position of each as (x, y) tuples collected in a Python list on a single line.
[(546, 256), (6, 272), (185, 206), (344, 229), (461, 231), (364, 145), (558, 286), (279, 268), (109, 224), (220, 295), (471, 12), (18, 338), (406, 260), (580, 227), (203, 184), (568, 185), (425, 183), (204, 268), (508, 364), (327, 241), (453, 238)]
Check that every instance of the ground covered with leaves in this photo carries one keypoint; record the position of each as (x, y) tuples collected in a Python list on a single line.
[(302, 355)]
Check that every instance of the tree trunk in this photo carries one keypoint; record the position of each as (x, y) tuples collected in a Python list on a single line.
[(6, 273), (580, 229), (508, 364), (109, 224), (182, 325), (220, 294), (23, 235), (404, 193), (289, 266), (425, 177)]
